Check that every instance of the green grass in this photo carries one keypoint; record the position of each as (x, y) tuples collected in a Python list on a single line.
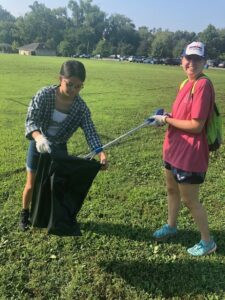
[(116, 258)]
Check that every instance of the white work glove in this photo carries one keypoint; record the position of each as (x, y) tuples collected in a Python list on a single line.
[(159, 120), (42, 144)]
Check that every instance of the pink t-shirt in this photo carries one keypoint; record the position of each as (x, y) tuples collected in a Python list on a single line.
[(184, 150)]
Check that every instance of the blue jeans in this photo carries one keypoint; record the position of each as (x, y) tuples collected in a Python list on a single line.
[(33, 155)]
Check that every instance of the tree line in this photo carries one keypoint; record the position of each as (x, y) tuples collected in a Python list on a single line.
[(82, 27)]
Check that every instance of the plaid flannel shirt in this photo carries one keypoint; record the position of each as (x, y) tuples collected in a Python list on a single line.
[(40, 112)]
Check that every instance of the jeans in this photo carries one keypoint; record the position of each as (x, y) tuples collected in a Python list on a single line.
[(33, 155)]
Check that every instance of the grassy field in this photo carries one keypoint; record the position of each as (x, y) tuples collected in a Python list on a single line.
[(116, 258)]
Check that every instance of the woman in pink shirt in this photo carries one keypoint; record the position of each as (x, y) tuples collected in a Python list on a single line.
[(185, 149)]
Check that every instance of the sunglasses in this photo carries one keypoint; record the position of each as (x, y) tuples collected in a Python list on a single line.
[(73, 86)]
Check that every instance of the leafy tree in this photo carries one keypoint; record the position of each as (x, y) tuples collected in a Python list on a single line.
[(5, 16), (210, 36), (162, 45), (180, 40), (64, 48), (68, 45), (77, 13), (86, 29), (222, 44), (41, 25), (7, 25), (186, 36), (178, 47), (7, 32), (85, 39), (15, 46), (143, 48), (124, 49), (104, 48), (120, 29), (88, 22), (146, 39), (5, 48)]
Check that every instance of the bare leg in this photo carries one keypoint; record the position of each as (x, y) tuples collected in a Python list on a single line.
[(28, 189), (173, 196), (190, 196)]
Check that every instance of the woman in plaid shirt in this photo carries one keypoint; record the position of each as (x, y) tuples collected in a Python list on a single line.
[(54, 114)]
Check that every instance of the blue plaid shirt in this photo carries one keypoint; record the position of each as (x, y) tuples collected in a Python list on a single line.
[(40, 113)]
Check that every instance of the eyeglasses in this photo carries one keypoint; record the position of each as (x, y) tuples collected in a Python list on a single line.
[(73, 86)]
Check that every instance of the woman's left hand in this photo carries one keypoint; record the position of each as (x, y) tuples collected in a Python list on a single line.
[(103, 160)]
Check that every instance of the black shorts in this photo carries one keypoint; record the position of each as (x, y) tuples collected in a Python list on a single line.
[(182, 176)]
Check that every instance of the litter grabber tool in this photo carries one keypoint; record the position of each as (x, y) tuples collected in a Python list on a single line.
[(149, 121)]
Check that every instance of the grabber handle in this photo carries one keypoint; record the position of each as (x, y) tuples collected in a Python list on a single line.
[(159, 111)]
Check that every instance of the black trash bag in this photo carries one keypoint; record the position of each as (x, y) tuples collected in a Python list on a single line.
[(61, 186), (41, 200)]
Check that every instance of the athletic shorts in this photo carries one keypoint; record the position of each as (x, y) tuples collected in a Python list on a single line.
[(33, 155), (182, 176)]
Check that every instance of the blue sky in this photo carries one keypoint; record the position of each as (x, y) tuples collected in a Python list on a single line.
[(191, 15)]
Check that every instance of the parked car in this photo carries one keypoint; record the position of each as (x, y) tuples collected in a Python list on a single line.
[(172, 61), (212, 62), (84, 56), (148, 60), (98, 56), (75, 55), (139, 59), (158, 61), (114, 56), (221, 64), (123, 57), (131, 58)]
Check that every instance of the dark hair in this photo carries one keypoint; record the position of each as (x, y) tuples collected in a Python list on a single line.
[(73, 68)]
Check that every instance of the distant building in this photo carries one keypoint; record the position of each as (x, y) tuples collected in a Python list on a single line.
[(36, 49)]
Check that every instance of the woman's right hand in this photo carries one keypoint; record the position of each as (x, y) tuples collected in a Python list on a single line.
[(42, 144), (103, 160)]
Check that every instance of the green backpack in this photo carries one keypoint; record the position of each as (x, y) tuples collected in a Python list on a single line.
[(213, 124)]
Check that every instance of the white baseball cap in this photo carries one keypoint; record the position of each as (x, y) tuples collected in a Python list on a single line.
[(195, 48)]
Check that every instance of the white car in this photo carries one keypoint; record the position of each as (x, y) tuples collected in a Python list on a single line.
[(222, 64), (131, 58), (148, 61)]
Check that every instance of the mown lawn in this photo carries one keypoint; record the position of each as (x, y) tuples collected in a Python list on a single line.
[(116, 258)]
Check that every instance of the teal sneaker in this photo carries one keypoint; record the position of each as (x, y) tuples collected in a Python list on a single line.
[(164, 233), (202, 248)]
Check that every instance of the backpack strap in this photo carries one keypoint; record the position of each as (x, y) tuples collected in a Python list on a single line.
[(183, 83), (193, 87)]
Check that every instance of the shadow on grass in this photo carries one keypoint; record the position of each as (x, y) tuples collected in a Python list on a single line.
[(128, 140), (172, 279), (12, 172), (16, 101), (185, 237), (127, 94)]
